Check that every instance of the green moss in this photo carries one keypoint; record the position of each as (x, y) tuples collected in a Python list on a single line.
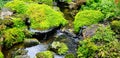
[(18, 22), (48, 2), (44, 17), (13, 36), (87, 17), (116, 26), (60, 47), (45, 54), (104, 34), (1, 55), (107, 7), (18, 6), (70, 55), (87, 49)]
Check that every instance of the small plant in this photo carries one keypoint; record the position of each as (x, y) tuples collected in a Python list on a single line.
[(87, 17), (13, 36), (60, 47), (1, 55), (45, 54)]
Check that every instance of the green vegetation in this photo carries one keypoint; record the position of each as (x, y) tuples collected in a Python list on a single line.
[(60, 47), (44, 17), (13, 36), (116, 26), (1, 55), (87, 17), (18, 6), (18, 22), (103, 35), (70, 55), (45, 54), (102, 44), (107, 7)]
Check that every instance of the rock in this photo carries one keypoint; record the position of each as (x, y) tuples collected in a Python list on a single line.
[(5, 14), (31, 42), (75, 5), (90, 31), (21, 52), (22, 56)]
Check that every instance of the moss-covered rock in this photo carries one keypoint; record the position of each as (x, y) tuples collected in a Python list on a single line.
[(70, 55), (60, 48), (45, 54), (87, 17), (18, 6), (116, 26), (13, 36), (1, 55), (44, 17)]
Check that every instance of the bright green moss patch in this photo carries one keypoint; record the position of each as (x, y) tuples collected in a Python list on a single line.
[(13, 36), (44, 17), (60, 47), (1, 55), (87, 17), (45, 54), (107, 7), (18, 22), (18, 6)]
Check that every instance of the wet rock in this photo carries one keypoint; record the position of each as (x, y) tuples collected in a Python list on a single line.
[(21, 52), (76, 4), (22, 56), (90, 31), (31, 42)]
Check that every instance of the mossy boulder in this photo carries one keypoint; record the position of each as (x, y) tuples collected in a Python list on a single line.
[(41, 16), (59, 47), (44, 17), (87, 17), (115, 25), (45, 54), (13, 36), (1, 55)]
